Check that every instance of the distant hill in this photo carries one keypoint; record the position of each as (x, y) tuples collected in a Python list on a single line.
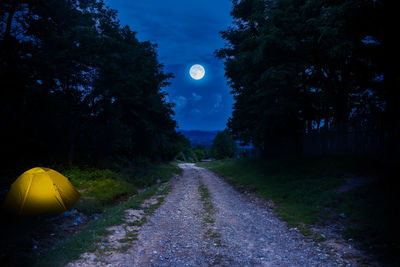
[(196, 137)]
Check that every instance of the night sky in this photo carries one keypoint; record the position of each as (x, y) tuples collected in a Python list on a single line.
[(187, 33)]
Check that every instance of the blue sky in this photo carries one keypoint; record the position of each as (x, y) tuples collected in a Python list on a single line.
[(187, 33)]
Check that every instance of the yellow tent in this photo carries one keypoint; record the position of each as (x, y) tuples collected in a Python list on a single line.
[(40, 190)]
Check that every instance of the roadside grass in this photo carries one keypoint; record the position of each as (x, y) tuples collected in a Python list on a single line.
[(95, 231), (300, 188), (101, 191), (148, 174), (100, 188), (209, 223), (303, 191), (208, 207), (87, 239), (372, 217)]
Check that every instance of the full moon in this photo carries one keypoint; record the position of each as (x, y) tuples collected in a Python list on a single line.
[(197, 72)]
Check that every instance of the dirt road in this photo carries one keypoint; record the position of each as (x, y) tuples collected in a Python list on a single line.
[(205, 222)]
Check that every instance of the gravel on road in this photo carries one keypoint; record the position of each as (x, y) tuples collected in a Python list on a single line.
[(205, 222)]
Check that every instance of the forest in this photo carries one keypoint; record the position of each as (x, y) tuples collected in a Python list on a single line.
[(79, 88), (314, 133), (316, 89), (82, 95), (301, 69)]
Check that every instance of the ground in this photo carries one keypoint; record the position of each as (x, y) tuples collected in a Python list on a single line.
[(203, 221)]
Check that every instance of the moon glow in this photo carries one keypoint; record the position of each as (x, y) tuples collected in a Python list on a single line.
[(197, 72)]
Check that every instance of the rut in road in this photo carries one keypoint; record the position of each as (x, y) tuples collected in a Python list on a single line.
[(205, 222)]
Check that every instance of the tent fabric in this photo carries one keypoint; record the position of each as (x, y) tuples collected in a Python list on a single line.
[(41, 190)]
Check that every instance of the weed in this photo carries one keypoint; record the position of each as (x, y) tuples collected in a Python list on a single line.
[(140, 222), (303, 191), (208, 218), (71, 248), (211, 234), (132, 234), (126, 240), (205, 198), (217, 259), (124, 248)]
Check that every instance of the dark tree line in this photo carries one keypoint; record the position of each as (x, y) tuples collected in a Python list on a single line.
[(223, 146), (78, 87), (298, 66)]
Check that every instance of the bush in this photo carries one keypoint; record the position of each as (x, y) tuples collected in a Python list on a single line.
[(223, 146), (181, 156), (98, 187)]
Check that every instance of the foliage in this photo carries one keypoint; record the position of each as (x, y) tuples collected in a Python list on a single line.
[(200, 152), (82, 177), (223, 146), (303, 192), (86, 240), (78, 87), (150, 175), (300, 66), (189, 153), (104, 186), (108, 187), (98, 188), (294, 184)]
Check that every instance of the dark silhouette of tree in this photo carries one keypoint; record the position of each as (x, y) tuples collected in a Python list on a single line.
[(298, 66), (78, 87), (223, 146)]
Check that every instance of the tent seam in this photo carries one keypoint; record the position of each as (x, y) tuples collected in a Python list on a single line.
[(26, 194)]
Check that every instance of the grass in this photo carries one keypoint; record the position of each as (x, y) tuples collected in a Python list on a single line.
[(104, 187), (208, 215), (205, 198), (98, 188), (303, 191), (101, 190), (300, 189), (209, 211), (371, 216), (140, 222), (149, 174), (87, 239)]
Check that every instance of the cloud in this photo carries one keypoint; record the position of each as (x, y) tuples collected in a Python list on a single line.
[(195, 111), (196, 97), (184, 30), (218, 100), (217, 104), (187, 32), (180, 102)]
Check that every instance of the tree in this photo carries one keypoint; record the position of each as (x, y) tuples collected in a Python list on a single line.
[(223, 146), (78, 87), (296, 66)]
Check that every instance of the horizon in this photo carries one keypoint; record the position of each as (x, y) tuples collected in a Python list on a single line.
[(197, 130)]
